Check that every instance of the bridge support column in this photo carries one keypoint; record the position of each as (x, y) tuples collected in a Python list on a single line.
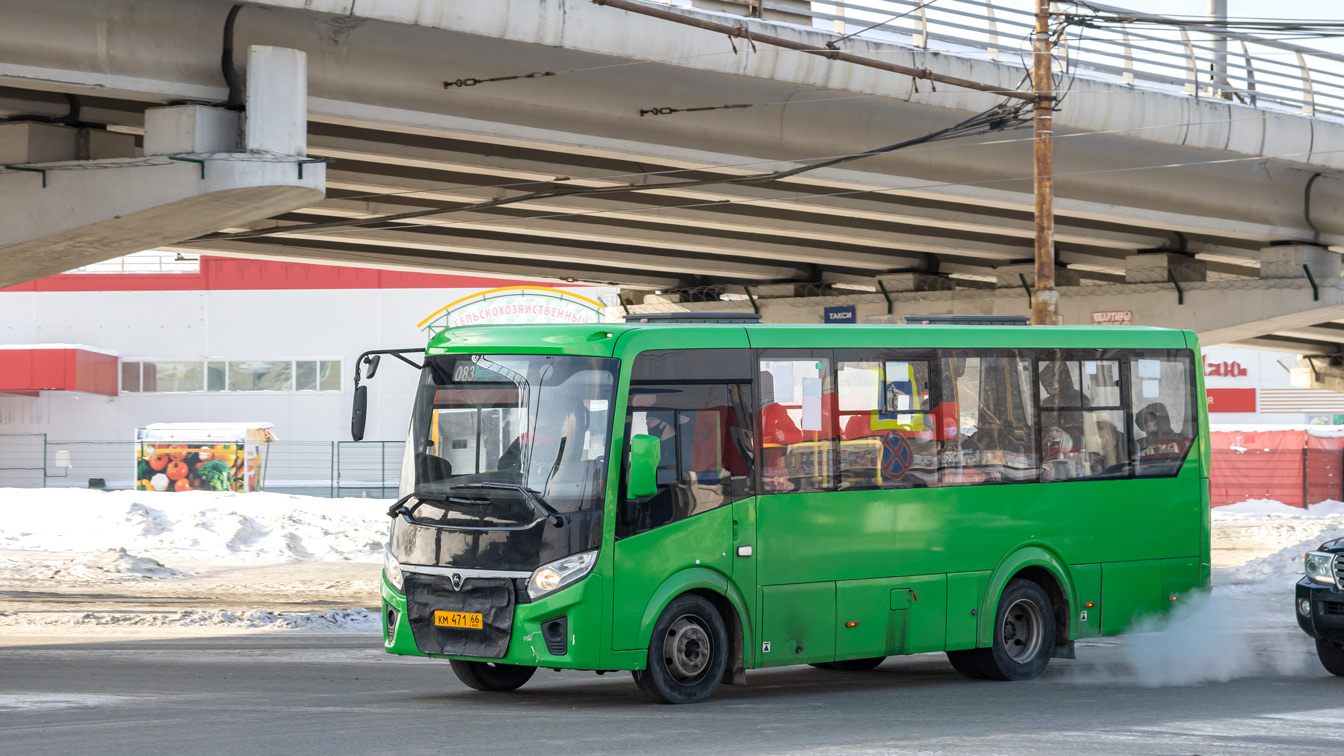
[(74, 196), (1287, 261), (1157, 267)]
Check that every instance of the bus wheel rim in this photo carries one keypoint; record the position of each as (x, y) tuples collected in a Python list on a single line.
[(1022, 630), (686, 649)]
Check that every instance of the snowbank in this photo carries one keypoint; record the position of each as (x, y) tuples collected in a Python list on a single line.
[(110, 566), (1274, 524), (355, 619), (192, 524)]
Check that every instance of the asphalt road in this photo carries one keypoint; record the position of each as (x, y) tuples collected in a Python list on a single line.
[(339, 694)]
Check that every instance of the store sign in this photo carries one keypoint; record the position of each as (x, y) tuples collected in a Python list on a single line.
[(847, 314), (1113, 317), (513, 305), (1231, 399), (1232, 369)]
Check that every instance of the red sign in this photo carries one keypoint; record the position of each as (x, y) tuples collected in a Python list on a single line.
[(1113, 317), (1231, 399), (1232, 369)]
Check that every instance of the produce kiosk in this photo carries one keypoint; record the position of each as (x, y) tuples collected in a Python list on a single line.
[(202, 456)]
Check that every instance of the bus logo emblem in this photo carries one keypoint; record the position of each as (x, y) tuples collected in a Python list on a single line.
[(457, 581)]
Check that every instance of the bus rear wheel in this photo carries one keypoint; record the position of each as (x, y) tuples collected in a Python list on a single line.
[(687, 654), (1024, 634), (489, 676)]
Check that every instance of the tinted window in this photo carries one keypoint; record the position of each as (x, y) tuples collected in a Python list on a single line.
[(887, 429), (1162, 400), (1082, 418), (696, 403), (797, 416), (986, 420)]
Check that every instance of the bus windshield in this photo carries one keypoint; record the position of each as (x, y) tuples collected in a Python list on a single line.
[(510, 437)]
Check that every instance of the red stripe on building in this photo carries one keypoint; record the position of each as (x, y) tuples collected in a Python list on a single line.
[(237, 274), (1231, 399)]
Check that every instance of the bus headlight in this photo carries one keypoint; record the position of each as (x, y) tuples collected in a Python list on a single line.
[(1320, 567), (560, 573), (392, 569)]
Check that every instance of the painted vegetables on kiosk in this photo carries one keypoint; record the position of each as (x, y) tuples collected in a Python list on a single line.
[(201, 456)]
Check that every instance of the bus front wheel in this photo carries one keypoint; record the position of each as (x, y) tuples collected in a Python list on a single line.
[(488, 676), (687, 654)]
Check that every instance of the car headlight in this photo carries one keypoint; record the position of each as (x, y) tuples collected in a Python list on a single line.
[(560, 573), (392, 569), (1320, 567)]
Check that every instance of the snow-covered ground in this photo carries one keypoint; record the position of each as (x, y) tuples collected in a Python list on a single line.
[(74, 560), (80, 561)]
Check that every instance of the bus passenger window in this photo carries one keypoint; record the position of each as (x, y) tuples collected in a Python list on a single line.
[(887, 434), (1162, 399), (1082, 419), (987, 428), (797, 425), (699, 412)]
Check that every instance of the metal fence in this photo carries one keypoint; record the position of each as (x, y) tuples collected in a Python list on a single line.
[(315, 468), (1143, 49)]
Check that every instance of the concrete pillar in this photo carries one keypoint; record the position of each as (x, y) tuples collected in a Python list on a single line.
[(190, 129), (23, 143), (277, 101), (1155, 267), (1286, 262), (1010, 276)]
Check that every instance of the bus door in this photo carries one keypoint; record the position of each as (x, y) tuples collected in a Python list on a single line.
[(694, 406)]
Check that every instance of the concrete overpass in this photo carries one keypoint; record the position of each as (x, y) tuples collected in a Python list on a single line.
[(1186, 199)]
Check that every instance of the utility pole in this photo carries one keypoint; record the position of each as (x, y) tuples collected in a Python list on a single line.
[(1045, 299), (1218, 15)]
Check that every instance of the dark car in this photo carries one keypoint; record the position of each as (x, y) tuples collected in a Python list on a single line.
[(1320, 603)]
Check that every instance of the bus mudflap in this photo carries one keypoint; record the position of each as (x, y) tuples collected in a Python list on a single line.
[(474, 619)]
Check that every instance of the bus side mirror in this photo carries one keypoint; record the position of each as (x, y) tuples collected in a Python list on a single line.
[(372, 363), (642, 479), (357, 415)]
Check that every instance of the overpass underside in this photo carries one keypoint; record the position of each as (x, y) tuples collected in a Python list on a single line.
[(1185, 210)]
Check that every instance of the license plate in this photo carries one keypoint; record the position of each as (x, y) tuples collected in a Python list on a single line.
[(467, 620)]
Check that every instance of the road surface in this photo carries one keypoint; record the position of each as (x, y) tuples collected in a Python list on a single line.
[(294, 693)]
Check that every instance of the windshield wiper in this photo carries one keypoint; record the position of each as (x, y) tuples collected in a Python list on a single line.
[(531, 497), (399, 507)]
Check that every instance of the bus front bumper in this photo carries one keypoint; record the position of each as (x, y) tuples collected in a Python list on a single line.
[(579, 604)]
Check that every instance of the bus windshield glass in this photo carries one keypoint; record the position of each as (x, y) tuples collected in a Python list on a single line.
[(510, 437)]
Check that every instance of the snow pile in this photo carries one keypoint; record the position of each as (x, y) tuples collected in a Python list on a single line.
[(1271, 522), (108, 566), (354, 619), (193, 524)]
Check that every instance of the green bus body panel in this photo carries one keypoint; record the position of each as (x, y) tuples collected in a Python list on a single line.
[(822, 559), (798, 621), (1087, 583), (645, 561), (1129, 592), (965, 599)]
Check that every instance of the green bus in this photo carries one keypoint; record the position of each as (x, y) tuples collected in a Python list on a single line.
[(692, 500)]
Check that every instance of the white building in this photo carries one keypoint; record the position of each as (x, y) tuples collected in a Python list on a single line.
[(1256, 386), (226, 340)]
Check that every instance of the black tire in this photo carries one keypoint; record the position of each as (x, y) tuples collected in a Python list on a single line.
[(1024, 634), (1331, 656), (967, 662), (687, 654), (491, 677), (852, 665)]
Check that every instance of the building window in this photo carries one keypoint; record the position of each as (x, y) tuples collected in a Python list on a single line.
[(261, 375), (193, 376)]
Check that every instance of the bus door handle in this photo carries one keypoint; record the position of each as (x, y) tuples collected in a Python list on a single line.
[(744, 551)]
